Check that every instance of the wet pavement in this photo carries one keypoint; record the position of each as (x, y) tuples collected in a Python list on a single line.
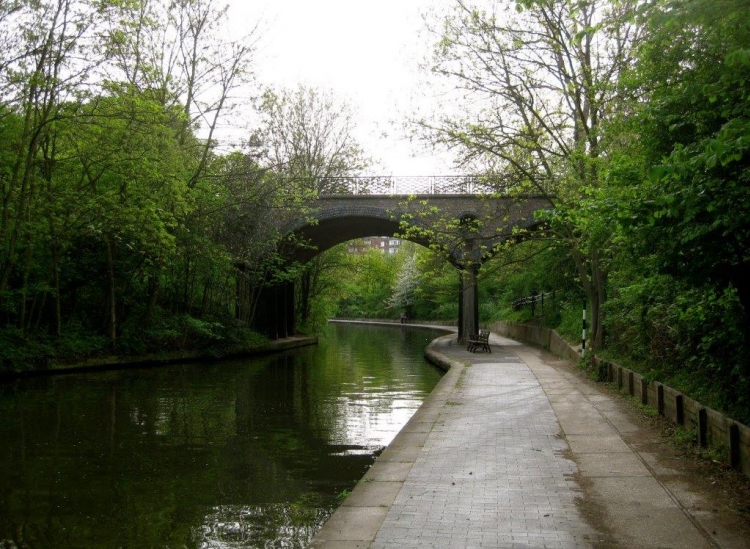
[(513, 449)]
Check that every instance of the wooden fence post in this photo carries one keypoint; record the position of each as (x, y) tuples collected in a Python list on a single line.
[(703, 427)]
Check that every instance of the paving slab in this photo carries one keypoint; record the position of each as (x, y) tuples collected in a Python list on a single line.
[(350, 523), (381, 493), (611, 464), (592, 444), (513, 450), (646, 515)]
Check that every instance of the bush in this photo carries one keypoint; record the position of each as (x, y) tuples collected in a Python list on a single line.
[(18, 353)]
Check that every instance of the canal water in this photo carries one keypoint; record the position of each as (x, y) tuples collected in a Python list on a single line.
[(240, 453)]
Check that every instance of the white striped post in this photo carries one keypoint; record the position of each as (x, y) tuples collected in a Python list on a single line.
[(583, 332)]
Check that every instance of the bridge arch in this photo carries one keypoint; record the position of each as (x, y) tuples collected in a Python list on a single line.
[(339, 218), (330, 226)]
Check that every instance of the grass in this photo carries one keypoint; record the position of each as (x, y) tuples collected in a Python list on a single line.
[(341, 496)]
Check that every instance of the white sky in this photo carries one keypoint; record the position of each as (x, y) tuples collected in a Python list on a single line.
[(367, 52)]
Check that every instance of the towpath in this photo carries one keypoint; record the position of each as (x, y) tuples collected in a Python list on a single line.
[(514, 449)]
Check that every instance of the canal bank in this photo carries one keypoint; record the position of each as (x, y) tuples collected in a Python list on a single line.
[(115, 362), (515, 449)]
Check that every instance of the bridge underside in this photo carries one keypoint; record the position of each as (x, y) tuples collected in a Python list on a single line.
[(328, 233)]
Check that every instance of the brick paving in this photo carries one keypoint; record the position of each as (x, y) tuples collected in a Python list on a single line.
[(494, 458), (492, 473)]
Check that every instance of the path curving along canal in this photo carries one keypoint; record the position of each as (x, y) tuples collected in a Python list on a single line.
[(240, 453)]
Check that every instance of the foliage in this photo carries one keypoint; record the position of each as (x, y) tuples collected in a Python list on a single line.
[(121, 229), (696, 125), (306, 135), (436, 293), (404, 289), (680, 294), (540, 78), (365, 282)]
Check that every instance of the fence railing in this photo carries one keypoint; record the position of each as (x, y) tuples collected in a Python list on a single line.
[(533, 300)]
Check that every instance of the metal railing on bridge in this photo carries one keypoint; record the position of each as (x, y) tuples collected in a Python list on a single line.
[(409, 185)]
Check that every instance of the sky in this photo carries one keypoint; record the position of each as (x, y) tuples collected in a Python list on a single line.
[(366, 52)]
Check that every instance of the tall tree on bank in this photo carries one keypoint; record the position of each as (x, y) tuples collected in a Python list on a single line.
[(107, 192), (47, 62), (694, 70), (681, 291), (178, 53), (307, 137), (536, 84)]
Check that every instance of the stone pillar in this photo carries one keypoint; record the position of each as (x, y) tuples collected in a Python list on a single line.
[(469, 304)]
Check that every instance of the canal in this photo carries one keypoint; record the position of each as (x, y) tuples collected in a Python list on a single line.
[(241, 453)]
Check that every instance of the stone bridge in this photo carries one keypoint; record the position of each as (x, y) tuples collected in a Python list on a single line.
[(467, 226), (439, 219)]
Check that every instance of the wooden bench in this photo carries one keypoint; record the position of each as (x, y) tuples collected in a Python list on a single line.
[(479, 342)]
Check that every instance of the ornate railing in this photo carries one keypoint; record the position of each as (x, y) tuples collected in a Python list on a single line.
[(408, 185)]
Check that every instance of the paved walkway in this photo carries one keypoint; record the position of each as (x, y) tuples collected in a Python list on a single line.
[(511, 450)]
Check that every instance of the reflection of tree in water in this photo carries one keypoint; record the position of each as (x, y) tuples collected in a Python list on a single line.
[(194, 455), (288, 524)]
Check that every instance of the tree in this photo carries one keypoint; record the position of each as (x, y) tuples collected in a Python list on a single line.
[(176, 52), (246, 211), (111, 191), (307, 137), (681, 291), (405, 287), (46, 64), (132, 190), (538, 79), (364, 283), (694, 72)]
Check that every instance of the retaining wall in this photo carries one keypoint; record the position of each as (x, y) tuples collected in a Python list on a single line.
[(712, 427)]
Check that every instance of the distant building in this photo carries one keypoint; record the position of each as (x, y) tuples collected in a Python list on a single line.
[(386, 244)]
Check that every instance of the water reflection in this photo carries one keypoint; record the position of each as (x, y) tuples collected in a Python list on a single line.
[(232, 454)]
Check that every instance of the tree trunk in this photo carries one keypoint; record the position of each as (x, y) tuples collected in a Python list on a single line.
[(56, 283), (593, 279), (25, 288), (111, 295), (153, 294)]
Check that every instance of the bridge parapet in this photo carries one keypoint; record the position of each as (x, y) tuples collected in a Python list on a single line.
[(411, 185)]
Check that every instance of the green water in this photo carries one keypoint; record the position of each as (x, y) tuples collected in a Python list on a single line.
[(241, 453)]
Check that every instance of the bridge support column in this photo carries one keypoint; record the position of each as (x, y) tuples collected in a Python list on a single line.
[(468, 304)]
